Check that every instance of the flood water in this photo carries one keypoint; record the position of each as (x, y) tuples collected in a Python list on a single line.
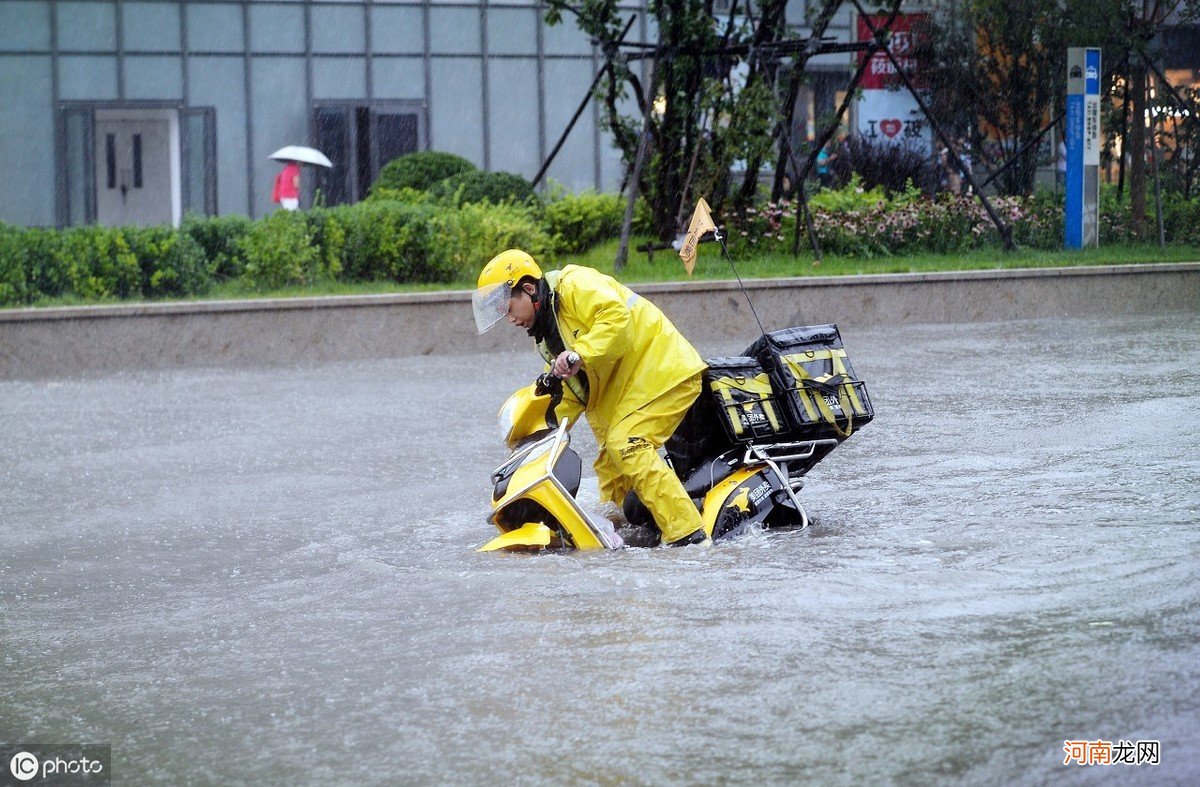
[(269, 576)]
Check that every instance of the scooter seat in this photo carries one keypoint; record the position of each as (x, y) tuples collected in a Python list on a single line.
[(710, 473)]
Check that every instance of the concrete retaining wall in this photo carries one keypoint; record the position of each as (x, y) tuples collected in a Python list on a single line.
[(69, 341)]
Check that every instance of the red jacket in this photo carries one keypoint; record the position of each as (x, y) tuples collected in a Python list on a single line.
[(286, 183)]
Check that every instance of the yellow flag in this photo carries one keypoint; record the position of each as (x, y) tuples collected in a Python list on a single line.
[(701, 223)]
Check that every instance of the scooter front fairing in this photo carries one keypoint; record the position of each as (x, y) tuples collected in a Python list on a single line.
[(537, 486)]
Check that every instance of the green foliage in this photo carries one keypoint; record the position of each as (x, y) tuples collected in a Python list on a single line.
[(171, 263), (862, 223), (406, 194), (470, 236), (426, 242), (14, 266), (478, 186), (329, 237), (577, 222), (852, 196), (220, 239), (99, 264), (1181, 218), (389, 241), (420, 170), (279, 252)]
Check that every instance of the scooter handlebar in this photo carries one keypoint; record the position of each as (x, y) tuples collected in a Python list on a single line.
[(548, 382)]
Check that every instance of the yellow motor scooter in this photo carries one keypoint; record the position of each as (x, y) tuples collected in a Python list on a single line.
[(533, 500)]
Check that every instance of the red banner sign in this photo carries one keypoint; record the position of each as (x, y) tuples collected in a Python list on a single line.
[(880, 73)]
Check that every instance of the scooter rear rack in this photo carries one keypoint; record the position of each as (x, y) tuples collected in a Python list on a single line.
[(777, 456)]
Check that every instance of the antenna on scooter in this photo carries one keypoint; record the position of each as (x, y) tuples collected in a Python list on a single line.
[(721, 239)]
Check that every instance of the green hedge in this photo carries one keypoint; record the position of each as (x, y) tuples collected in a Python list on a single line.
[(494, 187), (576, 222), (415, 238), (420, 170), (100, 264), (863, 223)]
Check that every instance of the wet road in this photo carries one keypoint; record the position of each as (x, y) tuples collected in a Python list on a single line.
[(268, 577)]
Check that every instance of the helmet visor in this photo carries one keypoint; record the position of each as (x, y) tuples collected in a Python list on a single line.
[(490, 304)]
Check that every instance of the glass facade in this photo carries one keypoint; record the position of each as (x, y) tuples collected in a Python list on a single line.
[(486, 80)]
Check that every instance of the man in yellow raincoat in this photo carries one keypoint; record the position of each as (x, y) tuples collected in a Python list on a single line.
[(636, 375)]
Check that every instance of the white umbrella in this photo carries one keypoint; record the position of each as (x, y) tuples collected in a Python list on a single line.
[(303, 155)]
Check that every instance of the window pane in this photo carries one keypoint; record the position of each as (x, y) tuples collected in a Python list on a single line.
[(513, 31), (150, 27), (214, 28), (87, 27), (398, 29), (454, 30), (78, 134), (24, 26), (87, 78), (277, 29), (338, 29)]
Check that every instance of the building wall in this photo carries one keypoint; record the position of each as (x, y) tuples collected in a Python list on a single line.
[(498, 85)]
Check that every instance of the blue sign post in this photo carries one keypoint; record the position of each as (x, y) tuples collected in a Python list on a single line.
[(1083, 148)]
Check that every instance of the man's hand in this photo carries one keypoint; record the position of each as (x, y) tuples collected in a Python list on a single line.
[(566, 364)]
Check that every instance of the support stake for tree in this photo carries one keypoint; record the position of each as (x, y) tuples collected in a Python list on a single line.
[(634, 179), (583, 104)]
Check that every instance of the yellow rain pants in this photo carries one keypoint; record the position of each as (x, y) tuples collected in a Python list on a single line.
[(629, 459), (643, 376)]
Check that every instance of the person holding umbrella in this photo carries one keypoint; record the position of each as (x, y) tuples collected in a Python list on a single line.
[(286, 192)]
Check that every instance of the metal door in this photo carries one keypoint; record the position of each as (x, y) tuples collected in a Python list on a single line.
[(133, 172)]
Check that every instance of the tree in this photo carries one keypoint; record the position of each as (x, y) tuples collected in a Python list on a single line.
[(705, 94), (992, 67), (997, 69)]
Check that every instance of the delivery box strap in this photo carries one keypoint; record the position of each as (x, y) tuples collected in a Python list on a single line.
[(758, 394), (832, 354), (815, 405), (844, 382)]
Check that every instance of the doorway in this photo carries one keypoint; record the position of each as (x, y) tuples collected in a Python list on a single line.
[(135, 164), (360, 138), (137, 169)]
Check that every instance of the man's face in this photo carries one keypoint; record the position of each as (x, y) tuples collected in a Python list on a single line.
[(520, 307)]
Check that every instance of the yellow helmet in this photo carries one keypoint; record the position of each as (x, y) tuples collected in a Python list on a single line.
[(496, 282)]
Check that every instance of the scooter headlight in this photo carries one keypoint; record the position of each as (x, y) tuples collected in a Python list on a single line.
[(506, 420)]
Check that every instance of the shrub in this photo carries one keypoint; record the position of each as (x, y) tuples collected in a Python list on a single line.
[(220, 239), (1181, 218), (875, 227), (14, 267), (99, 264), (170, 262), (409, 195), (477, 186), (420, 170), (393, 241), (470, 236), (279, 252), (894, 167), (328, 234), (576, 222), (1037, 221)]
